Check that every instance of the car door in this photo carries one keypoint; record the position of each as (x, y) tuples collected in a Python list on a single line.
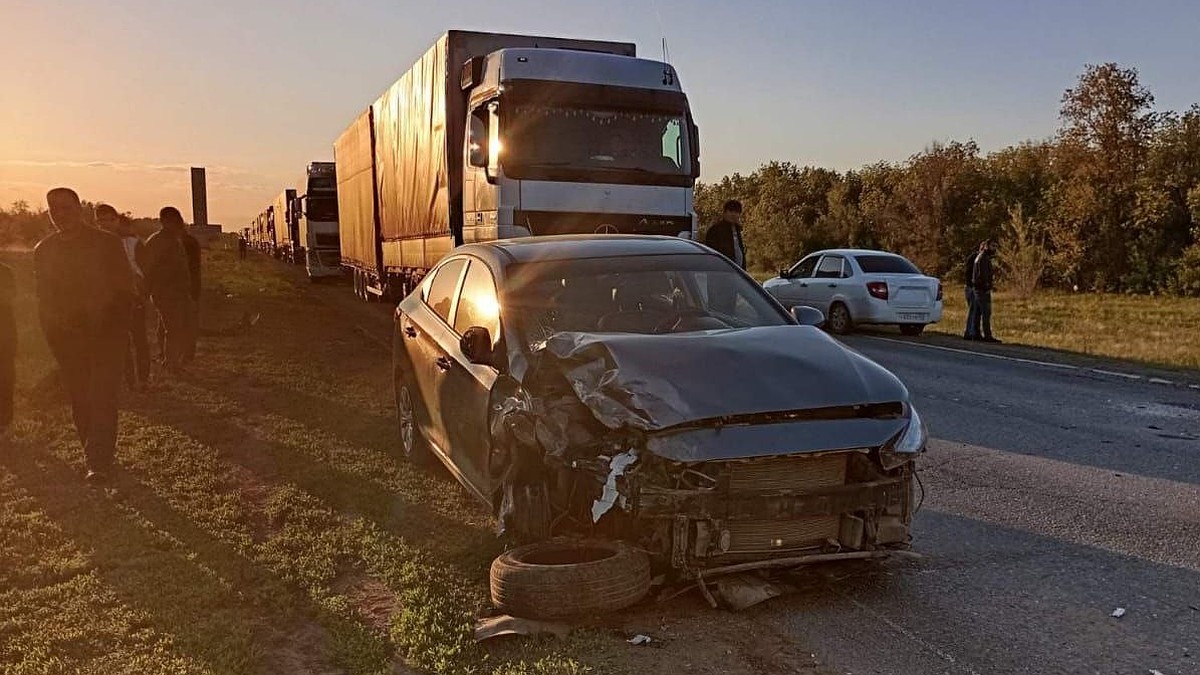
[(825, 282), (794, 289), (426, 332), (466, 388)]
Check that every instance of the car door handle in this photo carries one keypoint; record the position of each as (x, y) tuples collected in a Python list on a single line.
[(443, 363), (833, 285), (803, 285)]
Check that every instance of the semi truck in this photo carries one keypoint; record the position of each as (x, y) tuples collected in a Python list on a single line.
[(491, 136), (286, 226), (316, 208)]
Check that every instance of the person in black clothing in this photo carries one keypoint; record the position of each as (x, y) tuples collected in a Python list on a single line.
[(725, 235), (983, 280), (192, 248), (241, 247), (8, 345), (85, 291), (972, 330), (169, 280)]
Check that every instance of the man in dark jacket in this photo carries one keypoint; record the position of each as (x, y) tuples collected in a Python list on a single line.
[(972, 330), (983, 281), (725, 235), (192, 248), (168, 277), (84, 292)]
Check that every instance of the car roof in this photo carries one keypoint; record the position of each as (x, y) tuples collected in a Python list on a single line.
[(573, 246), (854, 251)]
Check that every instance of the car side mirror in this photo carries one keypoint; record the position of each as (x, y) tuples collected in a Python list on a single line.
[(476, 345), (808, 316), (785, 273)]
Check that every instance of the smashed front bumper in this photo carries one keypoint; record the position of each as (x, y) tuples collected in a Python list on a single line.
[(769, 508)]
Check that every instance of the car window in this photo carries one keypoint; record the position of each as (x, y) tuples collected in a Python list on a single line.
[(847, 268), (804, 268), (830, 267), (634, 294), (885, 264), (440, 296), (477, 303)]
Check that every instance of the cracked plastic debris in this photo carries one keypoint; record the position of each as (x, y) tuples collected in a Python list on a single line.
[(611, 495)]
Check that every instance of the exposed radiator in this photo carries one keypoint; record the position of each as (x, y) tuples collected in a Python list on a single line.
[(774, 536), (796, 473)]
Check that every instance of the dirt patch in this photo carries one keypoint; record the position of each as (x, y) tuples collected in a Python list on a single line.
[(373, 600)]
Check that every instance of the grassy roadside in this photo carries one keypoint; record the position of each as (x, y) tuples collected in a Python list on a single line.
[(1152, 330), (262, 520), (259, 523)]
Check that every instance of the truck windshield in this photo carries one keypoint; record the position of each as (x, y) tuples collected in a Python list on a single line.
[(322, 207), (592, 139)]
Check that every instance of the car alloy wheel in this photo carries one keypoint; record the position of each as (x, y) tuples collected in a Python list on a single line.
[(408, 421), (839, 319)]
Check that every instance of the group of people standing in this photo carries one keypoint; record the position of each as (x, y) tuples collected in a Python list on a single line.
[(95, 287)]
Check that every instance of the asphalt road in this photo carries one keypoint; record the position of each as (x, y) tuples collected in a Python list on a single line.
[(1054, 497)]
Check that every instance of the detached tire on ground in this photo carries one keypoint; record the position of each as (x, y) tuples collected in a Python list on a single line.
[(568, 578)]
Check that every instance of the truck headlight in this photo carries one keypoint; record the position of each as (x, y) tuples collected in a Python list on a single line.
[(908, 444)]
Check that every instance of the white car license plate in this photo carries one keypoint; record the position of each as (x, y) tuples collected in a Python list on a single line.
[(913, 316)]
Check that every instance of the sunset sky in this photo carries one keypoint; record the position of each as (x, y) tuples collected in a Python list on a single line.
[(119, 98)]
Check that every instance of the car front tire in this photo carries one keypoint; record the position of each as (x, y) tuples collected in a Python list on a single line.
[(412, 443)]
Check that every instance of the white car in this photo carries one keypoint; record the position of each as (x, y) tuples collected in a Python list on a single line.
[(856, 286)]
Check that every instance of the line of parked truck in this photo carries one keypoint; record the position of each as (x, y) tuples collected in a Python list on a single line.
[(490, 136)]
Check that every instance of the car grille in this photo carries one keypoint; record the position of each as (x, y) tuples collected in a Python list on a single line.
[(775, 536), (797, 473)]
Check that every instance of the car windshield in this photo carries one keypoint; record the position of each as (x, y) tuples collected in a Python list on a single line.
[(885, 264), (635, 294), (613, 140)]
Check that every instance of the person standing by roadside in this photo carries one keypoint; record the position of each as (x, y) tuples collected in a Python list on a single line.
[(983, 280), (725, 235), (8, 345), (168, 278), (241, 247), (137, 358), (85, 291), (972, 330), (192, 247)]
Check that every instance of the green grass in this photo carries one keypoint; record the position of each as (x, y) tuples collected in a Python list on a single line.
[(260, 521), (1153, 330)]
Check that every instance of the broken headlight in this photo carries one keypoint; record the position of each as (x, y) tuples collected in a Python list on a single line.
[(907, 444)]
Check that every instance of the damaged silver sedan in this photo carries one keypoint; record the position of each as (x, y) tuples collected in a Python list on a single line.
[(645, 390)]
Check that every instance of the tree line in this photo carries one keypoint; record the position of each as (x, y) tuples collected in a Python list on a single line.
[(22, 227), (1110, 203)]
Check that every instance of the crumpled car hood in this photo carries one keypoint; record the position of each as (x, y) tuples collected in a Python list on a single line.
[(656, 382)]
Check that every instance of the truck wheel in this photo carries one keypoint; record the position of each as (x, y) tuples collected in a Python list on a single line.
[(563, 577)]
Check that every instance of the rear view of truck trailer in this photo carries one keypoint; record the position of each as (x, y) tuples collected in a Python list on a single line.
[(287, 226), (316, 207), (493, 136)]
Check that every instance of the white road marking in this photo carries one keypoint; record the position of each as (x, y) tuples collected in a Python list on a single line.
[(1032, 362)]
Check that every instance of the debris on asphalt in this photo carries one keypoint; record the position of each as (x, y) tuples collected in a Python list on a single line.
[(1155, 672), (639, 640), (1118, 613), (739, 591), (497, 626)]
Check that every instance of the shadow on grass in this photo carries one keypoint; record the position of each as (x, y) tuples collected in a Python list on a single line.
[(363, 490), (190, 585)]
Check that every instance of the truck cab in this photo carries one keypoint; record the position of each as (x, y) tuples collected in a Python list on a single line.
[(563, 141)]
